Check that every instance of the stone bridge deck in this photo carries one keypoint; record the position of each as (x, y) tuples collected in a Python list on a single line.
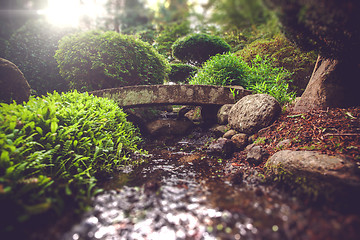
[(148, 95)]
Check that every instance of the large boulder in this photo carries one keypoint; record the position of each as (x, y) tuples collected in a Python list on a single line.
[(315, 173), (254, 112), (13, 85)]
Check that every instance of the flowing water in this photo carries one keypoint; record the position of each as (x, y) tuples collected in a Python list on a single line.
[(182, 193)]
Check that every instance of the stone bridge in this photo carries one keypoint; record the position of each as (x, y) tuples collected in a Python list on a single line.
[(149, 95)]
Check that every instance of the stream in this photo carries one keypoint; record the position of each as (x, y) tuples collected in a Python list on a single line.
[(183, 193)]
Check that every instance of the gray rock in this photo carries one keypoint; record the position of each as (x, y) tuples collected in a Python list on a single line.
[(221, 147), (183, 110), (13, 85), (223, 113), (194, 115), (229, 134), (256, 155), (240, 140), (164, 127), (218, 130), (254, 112)]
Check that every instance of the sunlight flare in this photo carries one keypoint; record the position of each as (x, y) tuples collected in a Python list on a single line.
[(69, 12)]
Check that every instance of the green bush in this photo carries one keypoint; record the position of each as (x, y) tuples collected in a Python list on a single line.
[(226, 69), (260, 77), (198, 48), (283, 54), (32, 49), (95, 60), (181, 72), (56, 148)]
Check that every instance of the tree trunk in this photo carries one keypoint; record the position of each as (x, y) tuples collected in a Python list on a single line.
[(333, 83)]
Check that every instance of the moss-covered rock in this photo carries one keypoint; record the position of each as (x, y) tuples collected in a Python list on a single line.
[(315, 175)]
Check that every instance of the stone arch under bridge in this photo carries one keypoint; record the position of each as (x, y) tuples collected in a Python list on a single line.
[(150, 95)]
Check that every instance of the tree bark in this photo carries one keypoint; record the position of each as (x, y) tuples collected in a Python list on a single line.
[(333, 83)]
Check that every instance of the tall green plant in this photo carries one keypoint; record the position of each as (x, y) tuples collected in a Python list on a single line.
[(264, 77)]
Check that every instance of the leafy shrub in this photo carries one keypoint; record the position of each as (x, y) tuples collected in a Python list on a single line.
[(260, 77), (96, 60), (226, 69), (264, 77), (57, 147), (283, 54), (32, 49), (198, 48), (181, 72)]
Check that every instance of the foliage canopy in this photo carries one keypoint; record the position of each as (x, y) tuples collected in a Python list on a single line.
[(328, 26)]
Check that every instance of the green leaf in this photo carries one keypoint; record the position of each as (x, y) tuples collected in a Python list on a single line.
[(39, 130), (53, 127), (4, 157), (68, 190)]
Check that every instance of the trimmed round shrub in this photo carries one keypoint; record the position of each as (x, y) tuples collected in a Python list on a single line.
[(96, 60), (198, 48), (55, 149), (32, 49), (283, 54), (181, 72), (226, 69)]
